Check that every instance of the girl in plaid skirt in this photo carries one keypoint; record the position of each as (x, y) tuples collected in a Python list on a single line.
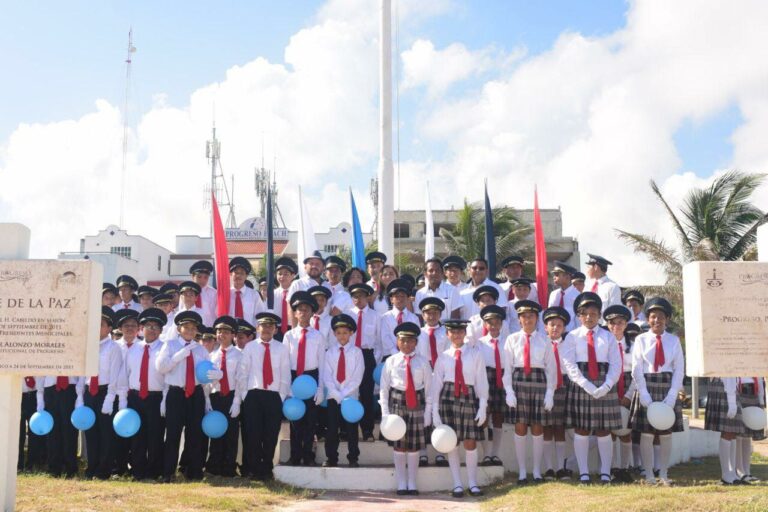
[(592, 358), (723, 415), (460, 399), (405, 391), (658, 368), (751, 391), (530, 376), (555, 320), (491, 346)]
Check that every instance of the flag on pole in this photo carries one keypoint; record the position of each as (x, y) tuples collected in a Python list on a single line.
[(307, 242), (429, 230), (490, 239), (358, 249), (221, 260), (541, 251), (270, 254)]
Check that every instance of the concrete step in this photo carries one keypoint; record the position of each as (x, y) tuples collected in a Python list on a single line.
[(371, 453), (377, 478)]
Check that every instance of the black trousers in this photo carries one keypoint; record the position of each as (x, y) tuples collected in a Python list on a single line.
[(35, 456), (335, 422), (183, 414), (62, 440), (223, 451), (263, 411), (366, 394), (147, 444), (99, 439), (303, 429), (245, 468)]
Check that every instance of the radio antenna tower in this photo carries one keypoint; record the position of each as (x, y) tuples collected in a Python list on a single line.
[(218, 183), (131, 49), (264, 181)]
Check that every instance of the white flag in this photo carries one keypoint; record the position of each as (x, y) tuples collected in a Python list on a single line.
[(307, 244), (429, 231)]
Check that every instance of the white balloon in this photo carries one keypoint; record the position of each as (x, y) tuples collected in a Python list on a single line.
[(444, 439), (625, 430), (392, 427), (661, 416), (754, 418)]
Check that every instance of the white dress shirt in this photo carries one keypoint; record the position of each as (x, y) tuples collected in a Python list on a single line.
[(209, 298), (110, 364), (370, 337), (475, 330), (459, 287), (387, 326), (468, 305), (514, 321), (609, 292), (381, 304), (169, 329), (394, 376), (569, 296), (249, 371), (534, 295), (314, 349), (233, 360), (354, 366), (626, 358), (644, 353), (277, 306), (323, 322), (340, 298), (445, 292), (130, 376), (485, 346), (252, 303), (441, 342), (574, 350), (473, 370), (542, 356), (176, 372), (128, 305), (303, 283)]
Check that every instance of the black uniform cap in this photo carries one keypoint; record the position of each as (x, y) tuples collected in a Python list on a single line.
[(121, 315), (343, 320), (485, 290), (201, 267), (153, 315), (108, 315), (556, 312), (493, 311)]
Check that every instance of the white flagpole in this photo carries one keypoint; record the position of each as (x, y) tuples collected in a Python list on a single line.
[(429, 231)]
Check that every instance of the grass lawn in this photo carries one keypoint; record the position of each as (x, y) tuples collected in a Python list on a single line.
[(697, 487)]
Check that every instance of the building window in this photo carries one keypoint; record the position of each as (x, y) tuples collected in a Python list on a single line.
[(402, 230), (331, 249), (125, 252), (159, 263), (169, 266)]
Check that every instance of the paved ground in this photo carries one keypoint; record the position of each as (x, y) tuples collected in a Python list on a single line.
[(337, 501)]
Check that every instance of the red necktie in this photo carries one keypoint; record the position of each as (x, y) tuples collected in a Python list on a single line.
[(93, 386), (341, 368), (30, 381), (224, 382), (359, 333), (620, 384), (432, 346), (527, 355), (199, 301), (126, 306), (591, 356), (284, 313), (266, 368), (658, 358), (458, 376), (399, 318), (557, 361), (189, 385), (594, 286), (497, 360), (302, 352), (510, 293), (317, 322), (562, 298), (410, 387), (238, 305), (144, 374), (62, 383)]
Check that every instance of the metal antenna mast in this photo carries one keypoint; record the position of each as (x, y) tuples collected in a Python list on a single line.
[(264, 181), (131, 49), (213, 154)]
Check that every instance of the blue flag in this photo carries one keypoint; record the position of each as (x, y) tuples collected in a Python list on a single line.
[(358, 249), (490, 239), (270, 254)]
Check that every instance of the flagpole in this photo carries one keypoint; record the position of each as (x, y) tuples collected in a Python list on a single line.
[(386, 202), (429, 229)]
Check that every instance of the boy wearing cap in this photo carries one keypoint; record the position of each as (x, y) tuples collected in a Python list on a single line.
[(143, 387), (591, 357), (340, 301), (109, 295), (491, 346), (342, 376), (658, 369), (207, 298), (460, 400), (398, 292), (163, 302), (405, 392), (244, 302), (375, 263), (126, 287), (306, 348), (555, 319), (127, 321), (600, 283), (368, 340), (564, 293), (263, 382), (435, 286), (577, 280), (321, 320), (186, 401), (513, 269), (484, 296), (190, 293), (285, 271), (172, 290), (145, 294), (454, 267), (246, 333)]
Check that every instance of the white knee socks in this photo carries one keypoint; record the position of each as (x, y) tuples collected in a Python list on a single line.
[(400, 471), (471, 459), (656, 457), (726, 472), (581, 450), (626, 455), (646, 451), (455, 465), (560, 454), (538, 449), (745, 443), (520, 453), (546, 461), (605, 447), (496, 443), (413, 465), (665, 444), (637, 460)]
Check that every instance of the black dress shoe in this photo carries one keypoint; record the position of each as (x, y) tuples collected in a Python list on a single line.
[(441, 461), (522, 481), (423, 461), (402, 492), (549, 475), (457, 492), (310, 463), (293, 462), (475, 491), (413, 492), (330, 464), (354, 464)]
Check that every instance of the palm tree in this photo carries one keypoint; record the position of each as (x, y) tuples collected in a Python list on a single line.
[(467, 239)]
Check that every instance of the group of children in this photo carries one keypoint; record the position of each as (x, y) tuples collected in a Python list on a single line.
[(470, 355)]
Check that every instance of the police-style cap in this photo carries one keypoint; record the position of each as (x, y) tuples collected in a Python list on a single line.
[(407, 330), (493, 311), (527, 306), (161, 298), (225, 322), (126, 280), (201, 267), (268, 318), (108, 315), (375, 256), (616, 311), (287, 264), (601, 262), (240, 262), (169, 288), (245, 327), (262, 280), (108, 288), (578, 277), (455, 324), (248, 284), (209, 333), (556, 312), (398, 285), (147, 290), (521, 281), (303, 297), (153, 315), (515, 259), (564, 268), (319, 290), (658, 303), (334, 261), (432, 303), (454, 261), (188, 317), (587, 299), (360, 287), (633, 295), (121, 315), (189, 286), (314, 256), (485, 290), (343, 320), (632, 329)]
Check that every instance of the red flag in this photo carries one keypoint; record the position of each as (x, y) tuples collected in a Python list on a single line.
[(541, 251), (221, 261)]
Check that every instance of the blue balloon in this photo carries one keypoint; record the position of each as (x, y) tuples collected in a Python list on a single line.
[(304, 387), (201, 371), (324, 403), (41, 423), (215, 424), (83, 417), (294, 409), (126, 423), (377, 373), (351, 410)]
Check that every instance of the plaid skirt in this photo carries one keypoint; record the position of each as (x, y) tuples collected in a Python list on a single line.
[(658, 387), (497, 397), (716, 413), (459, 412), (557, 414), (583, 411), (415, 435), (529, 391), (749, 399)]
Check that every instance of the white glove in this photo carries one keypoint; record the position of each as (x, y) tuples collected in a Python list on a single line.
[(108, 405), (511, 400), (601, 391), (385, 409), (436, 421), (731, 409), (589, 388), (671, 400), (40, 403), (645, 399), (208, 407), (214, 374), (122, 403), (182, 353), (234, 411), (319, 395), (162, 408), (78, 402), (427, 416), (549, 401), (335, 395), (480, 417)]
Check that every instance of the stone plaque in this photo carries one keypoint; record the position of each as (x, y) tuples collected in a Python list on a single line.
[(726, 318), (50, 312)]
